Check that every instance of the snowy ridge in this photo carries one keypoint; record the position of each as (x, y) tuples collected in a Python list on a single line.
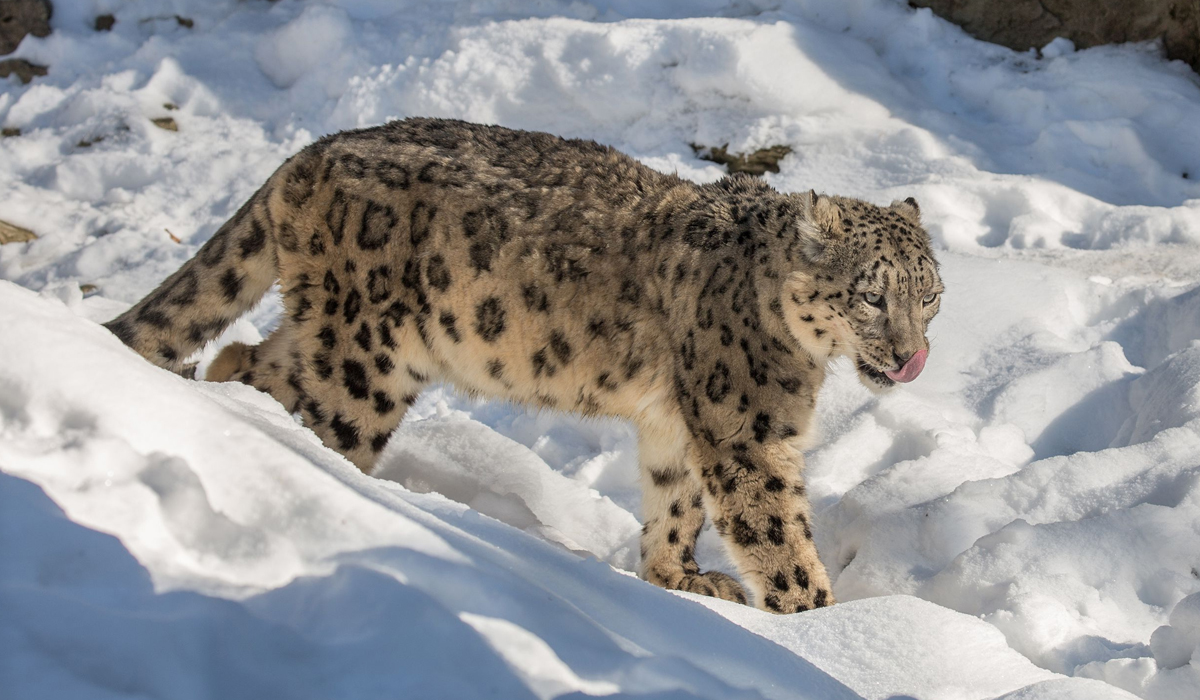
[(334, 583), (1022, 522)]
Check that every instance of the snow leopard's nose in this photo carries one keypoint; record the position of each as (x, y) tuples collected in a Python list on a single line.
[(910, 369), (906, 347)]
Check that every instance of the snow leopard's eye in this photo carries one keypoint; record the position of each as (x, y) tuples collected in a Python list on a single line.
[(873, 299), (929, 298)]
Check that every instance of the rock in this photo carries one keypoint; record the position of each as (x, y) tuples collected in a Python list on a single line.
[(1027, 24), (23, 69), (756, 163), (21, 17), (165, 123), (104, 23), (14, 234)]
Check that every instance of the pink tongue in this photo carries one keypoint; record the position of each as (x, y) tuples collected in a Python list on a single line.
[(910, 370)]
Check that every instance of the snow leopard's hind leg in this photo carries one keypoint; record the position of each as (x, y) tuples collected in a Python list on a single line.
[(272, 366)]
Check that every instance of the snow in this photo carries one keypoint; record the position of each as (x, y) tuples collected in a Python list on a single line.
[(1022, 521)]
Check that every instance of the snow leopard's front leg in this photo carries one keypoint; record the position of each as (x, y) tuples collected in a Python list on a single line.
[(755, 494), (673, 516)]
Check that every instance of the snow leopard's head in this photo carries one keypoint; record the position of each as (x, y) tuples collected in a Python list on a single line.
[(868, 288)]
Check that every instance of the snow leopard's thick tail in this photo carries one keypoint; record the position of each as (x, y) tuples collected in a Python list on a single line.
[(225, 279)]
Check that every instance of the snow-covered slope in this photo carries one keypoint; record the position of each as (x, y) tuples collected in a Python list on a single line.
[(1023, 521)]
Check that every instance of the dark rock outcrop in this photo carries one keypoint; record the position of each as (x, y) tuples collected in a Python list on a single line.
[(1026, 24), (24, 70), (21, 17)]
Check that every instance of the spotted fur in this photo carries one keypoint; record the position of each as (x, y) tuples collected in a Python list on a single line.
[(565, 275)]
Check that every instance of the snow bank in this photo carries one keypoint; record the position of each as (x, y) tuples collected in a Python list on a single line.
[(980, 495), (250, 560)]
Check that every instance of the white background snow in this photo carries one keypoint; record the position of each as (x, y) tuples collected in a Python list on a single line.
[(1021, 522)]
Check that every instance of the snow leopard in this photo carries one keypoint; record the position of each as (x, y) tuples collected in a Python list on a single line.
[(564, 275)]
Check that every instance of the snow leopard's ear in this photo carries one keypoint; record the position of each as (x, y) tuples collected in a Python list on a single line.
[(908, 208), (821, 226)]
